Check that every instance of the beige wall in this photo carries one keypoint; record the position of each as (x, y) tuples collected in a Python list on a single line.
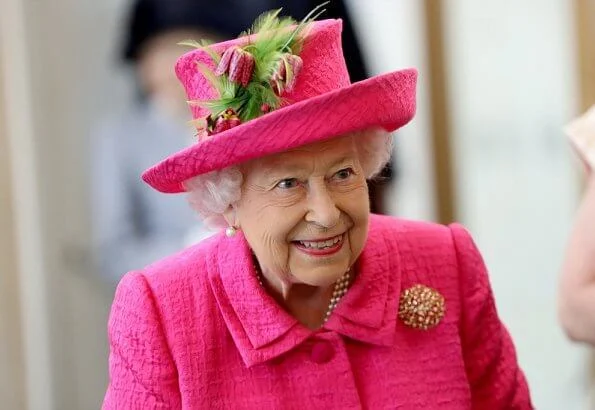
[(57, 75), (72, 91), (512, 72), (12, 388)]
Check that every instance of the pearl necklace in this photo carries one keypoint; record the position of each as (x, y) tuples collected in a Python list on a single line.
[(340, 289)]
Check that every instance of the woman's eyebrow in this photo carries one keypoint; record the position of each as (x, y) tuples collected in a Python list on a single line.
[(346, 158), (284, 168), (273, 171)]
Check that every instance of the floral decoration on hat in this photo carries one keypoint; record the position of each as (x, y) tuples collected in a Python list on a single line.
[(251, 79)]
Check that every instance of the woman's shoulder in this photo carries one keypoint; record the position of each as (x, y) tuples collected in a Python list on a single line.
[(188, 266), (170, 292), (416, 230), (414, 243), (426, 248), (390, 227)]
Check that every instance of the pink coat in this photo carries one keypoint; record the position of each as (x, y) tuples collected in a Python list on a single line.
[(196, 331)]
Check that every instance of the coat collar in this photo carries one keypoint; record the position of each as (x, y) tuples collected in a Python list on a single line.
[(262, 330)]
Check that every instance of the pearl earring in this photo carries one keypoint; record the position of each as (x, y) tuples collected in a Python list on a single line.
[(230, 231)]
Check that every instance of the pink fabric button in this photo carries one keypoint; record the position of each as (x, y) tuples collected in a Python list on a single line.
[(322, 352)]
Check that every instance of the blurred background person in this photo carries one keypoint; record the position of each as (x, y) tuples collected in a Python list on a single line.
[(577, 289), (132, 225), (577, 292)]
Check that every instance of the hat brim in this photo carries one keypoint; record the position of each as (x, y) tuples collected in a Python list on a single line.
[(386, 101)]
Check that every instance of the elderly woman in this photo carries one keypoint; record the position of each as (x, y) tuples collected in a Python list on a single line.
[(306, 301)]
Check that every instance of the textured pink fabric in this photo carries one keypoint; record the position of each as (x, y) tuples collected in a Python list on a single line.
[(323, 104), (196, 331)]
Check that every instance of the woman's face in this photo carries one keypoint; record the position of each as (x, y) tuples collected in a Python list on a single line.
[(305, 212)]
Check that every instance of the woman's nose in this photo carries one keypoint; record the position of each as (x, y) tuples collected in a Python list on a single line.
[(322, 209)]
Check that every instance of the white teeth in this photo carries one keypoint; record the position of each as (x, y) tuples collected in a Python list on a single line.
[(322, 244)]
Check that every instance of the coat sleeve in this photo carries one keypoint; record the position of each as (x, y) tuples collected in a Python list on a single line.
[(141, 369), (495, 378)]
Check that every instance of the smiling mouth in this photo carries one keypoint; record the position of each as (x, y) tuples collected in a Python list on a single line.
[(328, 243)]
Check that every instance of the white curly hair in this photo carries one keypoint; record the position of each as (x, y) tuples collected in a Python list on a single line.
[(211, 194)]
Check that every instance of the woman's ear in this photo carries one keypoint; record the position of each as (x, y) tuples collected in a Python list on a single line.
[(231, 217)]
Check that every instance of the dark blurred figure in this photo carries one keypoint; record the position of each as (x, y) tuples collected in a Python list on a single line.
[(134, 225)]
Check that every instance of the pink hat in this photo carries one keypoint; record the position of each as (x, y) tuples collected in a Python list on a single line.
[(316, 101)]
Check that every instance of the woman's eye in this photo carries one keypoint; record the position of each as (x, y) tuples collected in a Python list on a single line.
[(344, 173), (288, 183)]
